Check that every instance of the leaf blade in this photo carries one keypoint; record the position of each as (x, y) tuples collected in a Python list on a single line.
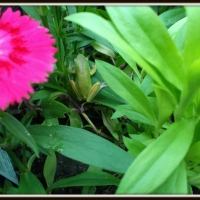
[(150, 163), (81, 145), (191, 49), (88, 178), (18, 130), (126, 88)]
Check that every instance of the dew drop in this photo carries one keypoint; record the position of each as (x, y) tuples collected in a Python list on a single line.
[(27, 133), (60, 150), (50, 135)]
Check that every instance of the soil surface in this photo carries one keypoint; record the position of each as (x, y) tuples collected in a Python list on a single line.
[(67, 167)]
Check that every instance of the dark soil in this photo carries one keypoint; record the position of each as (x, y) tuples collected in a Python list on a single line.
[(67, 167)]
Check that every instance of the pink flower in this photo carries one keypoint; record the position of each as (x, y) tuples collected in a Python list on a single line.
[(26, 56)]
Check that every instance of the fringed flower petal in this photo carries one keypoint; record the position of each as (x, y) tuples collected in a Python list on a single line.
[(26, 56)]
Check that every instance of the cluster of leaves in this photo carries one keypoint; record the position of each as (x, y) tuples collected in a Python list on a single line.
[(150, 107)]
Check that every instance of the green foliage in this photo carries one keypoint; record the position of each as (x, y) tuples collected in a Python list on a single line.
[(144, 125), (81, 145), (50, 168), (29, 184), (158, 160), (174, 72), (86, 179), (18, 130)]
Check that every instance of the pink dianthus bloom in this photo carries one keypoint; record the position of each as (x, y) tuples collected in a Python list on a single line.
[(26, 56)]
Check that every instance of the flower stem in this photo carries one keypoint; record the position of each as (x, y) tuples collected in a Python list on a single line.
[(99, 132)]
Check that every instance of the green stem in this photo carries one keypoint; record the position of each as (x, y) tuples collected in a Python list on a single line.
[(21, 167), (96, 130), (24, 154), (81, 111)]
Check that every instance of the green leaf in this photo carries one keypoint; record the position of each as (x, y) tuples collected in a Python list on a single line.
[(41, 94), (18, 130), (158, 160), (52, 121), (72, 37), (82, 145), (88, 178), (176, 183), (106, 96), (54, 83), (134, 147), (106, 30), (109, 123), (92, 10), (88, 190), (29, 184), (191, 88), (144, 32), (129, 59), (71, 9), (131, 114), (181, 184), (195, 180), (32, 12), (50, 168), (192, 49), (103, 49), (142, 137), (194, 153), (193, 78), (122, 85), (74, 118), (97, 38), (30, 162), (11, 190), (171, 16), (147, 85), (83, 43), (53, 109), (178, 33), (165, 105)]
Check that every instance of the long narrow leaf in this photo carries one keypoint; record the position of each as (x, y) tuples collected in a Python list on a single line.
[(88, 178), (192, 47), (106, 30), (158, 160), (18, 130), (171, 16), (176, 183), (82, 145), (144, 31), (29, 184), (126, 88)]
